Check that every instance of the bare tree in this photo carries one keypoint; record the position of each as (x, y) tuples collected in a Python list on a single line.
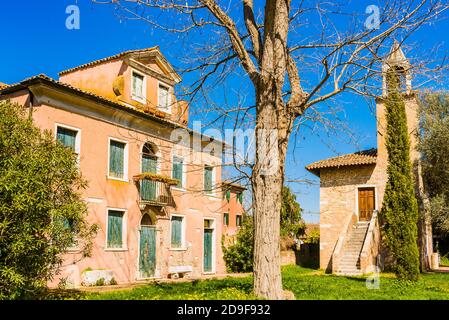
[(297, 55)]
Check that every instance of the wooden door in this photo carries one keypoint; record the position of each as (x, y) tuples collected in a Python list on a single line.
[(366, 203), (147, 256), (207, 247)]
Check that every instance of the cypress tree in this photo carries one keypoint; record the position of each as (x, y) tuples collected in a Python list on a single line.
[(400, 207)]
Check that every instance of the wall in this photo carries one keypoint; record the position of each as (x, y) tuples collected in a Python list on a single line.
[(103, 193), (338, 191), (100, 79), (338, 201), (233, 207)]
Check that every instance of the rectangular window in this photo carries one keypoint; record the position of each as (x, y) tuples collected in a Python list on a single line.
[(117, 159), (115, 229), (138, 87), (208, 179), (164, 98), (240, 197), (177, 171), (177, 232), (238, 220), (226, 219), (67, 137)]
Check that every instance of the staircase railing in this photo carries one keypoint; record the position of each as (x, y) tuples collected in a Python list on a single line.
[(336, 255), (371, 245)]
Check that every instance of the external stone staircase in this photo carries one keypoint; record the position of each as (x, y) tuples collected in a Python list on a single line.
[(350, 260)]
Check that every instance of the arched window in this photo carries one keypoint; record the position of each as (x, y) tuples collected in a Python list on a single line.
[(146, 220), (149, 158)]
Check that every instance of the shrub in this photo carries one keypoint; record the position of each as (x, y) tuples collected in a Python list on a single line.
[(239, 256), (42, 212), (100, 282), (313, 237)]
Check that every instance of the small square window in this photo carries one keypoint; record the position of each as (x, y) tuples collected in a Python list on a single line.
[(207, 224)]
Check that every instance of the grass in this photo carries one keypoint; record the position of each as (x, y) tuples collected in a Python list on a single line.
[(304, 283), (444, 260)]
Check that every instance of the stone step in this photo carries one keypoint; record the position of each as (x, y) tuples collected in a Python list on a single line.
[(348, 270), (353, 249), (344, 258), (348, 263), (349, 273)]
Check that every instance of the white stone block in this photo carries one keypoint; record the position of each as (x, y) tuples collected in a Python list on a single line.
[(90, 278)]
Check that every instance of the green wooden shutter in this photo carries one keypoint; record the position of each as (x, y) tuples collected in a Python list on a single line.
[(240, 197), (208, 179), (177, 171), (226, 219), (207, 255), (115, 229), (228, 195), (147, 256), (148, 188), (238, 220), (116, 159), (67, 137), (176, 232), (149, 164)]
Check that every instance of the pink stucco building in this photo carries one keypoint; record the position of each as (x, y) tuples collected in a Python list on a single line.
[(159, 203)]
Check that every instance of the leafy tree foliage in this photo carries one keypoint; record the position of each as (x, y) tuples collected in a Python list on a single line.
[(41, 210), (292, 224), (434, 147), (400, 207), (239, 256)]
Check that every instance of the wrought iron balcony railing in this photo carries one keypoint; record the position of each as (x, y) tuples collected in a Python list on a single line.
[(154, 189)]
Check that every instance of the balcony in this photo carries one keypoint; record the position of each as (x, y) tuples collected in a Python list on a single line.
[(154, 189)]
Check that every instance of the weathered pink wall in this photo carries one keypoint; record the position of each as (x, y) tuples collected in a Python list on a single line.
[(103, 193)]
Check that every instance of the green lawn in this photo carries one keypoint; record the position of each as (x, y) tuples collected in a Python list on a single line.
[(305, 283)]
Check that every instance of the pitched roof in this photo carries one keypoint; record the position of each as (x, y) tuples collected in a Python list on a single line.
[(154, 50), (234, 185), (365, 157), (42, 78), (110, 58)]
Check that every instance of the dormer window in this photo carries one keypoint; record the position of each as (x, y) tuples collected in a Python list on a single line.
[(164, 98), (138, 85)]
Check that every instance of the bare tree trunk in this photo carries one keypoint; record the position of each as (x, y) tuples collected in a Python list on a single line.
[(267, 182)]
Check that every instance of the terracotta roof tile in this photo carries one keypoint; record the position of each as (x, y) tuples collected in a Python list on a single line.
[(360, 158), (114, 57), (43, 77)]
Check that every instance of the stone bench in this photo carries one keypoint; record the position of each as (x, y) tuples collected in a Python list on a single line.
[(175, 271)]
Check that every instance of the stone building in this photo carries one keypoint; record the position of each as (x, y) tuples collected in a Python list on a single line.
[(159, 203), (352, 188)]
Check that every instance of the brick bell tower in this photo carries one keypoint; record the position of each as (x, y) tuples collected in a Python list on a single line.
[(397, 60)]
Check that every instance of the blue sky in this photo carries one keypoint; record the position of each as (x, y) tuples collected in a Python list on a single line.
[(35, 40)]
